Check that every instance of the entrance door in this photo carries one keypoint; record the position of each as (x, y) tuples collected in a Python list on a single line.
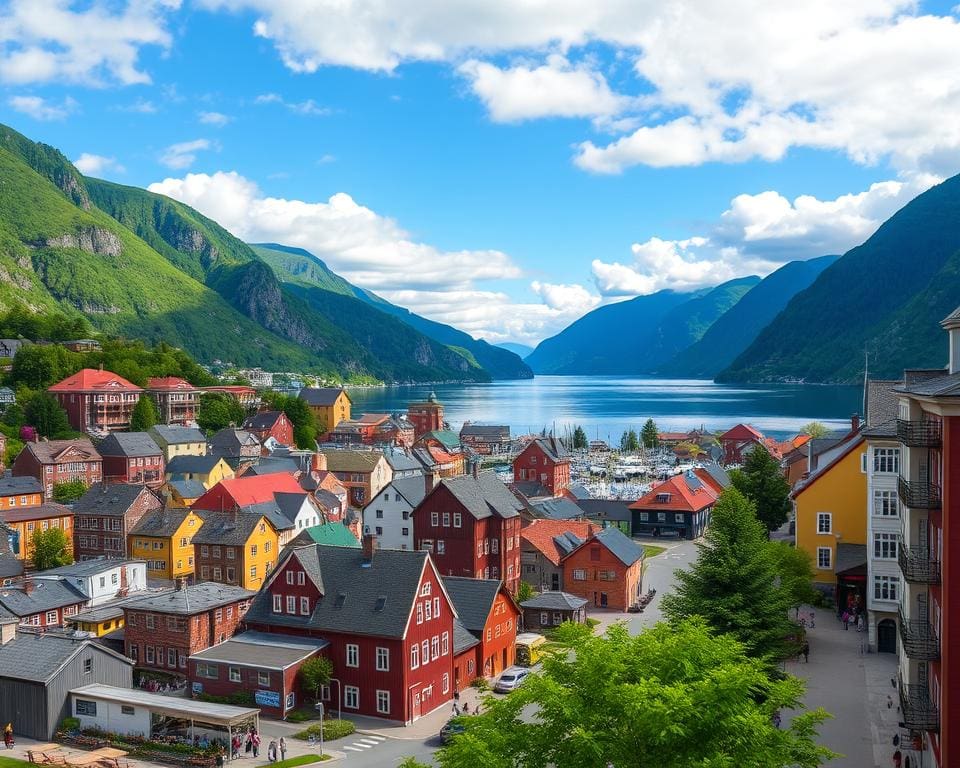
[(887, 636), (417, 706), (555, 582), (603, 599)]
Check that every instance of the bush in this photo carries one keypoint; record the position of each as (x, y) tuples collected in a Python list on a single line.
[(332, 729), (238, 699), (480, 683), (301, 716), (70, 724)]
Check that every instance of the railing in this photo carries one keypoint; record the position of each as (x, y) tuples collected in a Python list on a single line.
[(919, 495), (918, 711), (917, 566), (919, 434), (919, 640)]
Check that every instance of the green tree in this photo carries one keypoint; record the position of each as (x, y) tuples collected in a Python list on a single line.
[(68, 492), (144, 415), (674, 696), (796, 572), (219, 410), (815, 429), (525, 592), (315, 673), (45, 414), (579, 438), (761, 480), (51, 549), (629, 441), (304, 421), (650, 435), (735, 583), (39, 366)]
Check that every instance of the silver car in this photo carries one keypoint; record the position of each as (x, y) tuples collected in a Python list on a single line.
[(510, 679)]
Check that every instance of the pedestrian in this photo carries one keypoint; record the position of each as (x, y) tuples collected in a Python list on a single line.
[(860, 623), (466, 708), (220, 758), (456, 691), (272, 751), (283, 748), (845, 619), (235, 744), (255, 739), (776, 719), (897, 759), (806, 652), (8, 736), (248, 746)]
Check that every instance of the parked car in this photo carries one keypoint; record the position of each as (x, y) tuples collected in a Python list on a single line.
[(510, 679), (451, 728)]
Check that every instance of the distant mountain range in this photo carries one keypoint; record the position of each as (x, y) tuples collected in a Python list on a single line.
[(518, 349), (145, 266)]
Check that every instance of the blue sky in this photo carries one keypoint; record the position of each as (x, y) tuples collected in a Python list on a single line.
[(504, 166)]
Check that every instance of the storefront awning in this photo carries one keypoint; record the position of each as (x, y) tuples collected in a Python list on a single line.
[(171, 706)]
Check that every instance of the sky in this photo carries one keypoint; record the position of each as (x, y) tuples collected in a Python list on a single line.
[(504, 165)]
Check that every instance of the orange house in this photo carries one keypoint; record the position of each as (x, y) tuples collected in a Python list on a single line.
[(19, 492), (606, 570), (489, 614)]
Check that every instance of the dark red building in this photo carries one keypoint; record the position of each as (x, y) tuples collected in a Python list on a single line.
[(738, 441), (177, 400), (546, 462), (132, 457), (488, 611), (606, 570), (387, 619), (53, 462), (471, 525), (105, 514), (426, 416), (46, 604), (97, 401), (267, 424)]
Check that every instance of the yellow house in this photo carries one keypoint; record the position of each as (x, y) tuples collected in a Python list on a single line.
[(206, 470), (330, 405), (164, 539), (239, 548), (831, 520), (178, 441), (101, 620)]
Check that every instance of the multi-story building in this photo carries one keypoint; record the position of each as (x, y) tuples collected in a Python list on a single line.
[(206, 470), (248, 397), (105, 515), (330, 405), (164, 540), (488, 612), (388, 515), (471, 525), (544, 544), (176, 440), (486, 440), (19, 492), (363, 473), (738, 441), (132, 457), (236, 548), (101, 580), (236, 446), (606, 570), (681, 504), (267, 424), (426, 416), (53, 462), (544, 462), (25, 521), (162, 631), (97, 401), (177, 400), (48, 604)]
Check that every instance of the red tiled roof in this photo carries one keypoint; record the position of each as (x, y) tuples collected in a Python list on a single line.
[(708, 479), (92, 380), (540, 534), (247, 490), (682, 436), (742, 432), (169, 382), (683, 498)]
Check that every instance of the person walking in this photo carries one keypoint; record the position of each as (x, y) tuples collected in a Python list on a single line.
[(272, 751), (255, 740), (806, 652), (860, 623), (283, 749), (8, 736), (235, 744), (845, 619)]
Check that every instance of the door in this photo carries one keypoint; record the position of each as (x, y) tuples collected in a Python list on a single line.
[(603, 599), (887, 636), (417, 706), (555, 582)]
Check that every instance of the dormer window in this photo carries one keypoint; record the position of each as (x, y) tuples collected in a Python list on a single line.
[(663, 498)]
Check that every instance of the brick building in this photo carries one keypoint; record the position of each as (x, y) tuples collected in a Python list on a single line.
[(162, 631), (363, 473), (132, 457), (544, 461), (471, 525), (544, 544), (176, 399), (97, 401), (488, 611), (606, 570), (105, 515), (53, 462), (426, 416), (42, 603)]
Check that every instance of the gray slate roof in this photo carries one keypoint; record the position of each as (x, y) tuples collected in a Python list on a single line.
[(483, 496), (413, 489), (129, 444), (625, 549), (192, 599), (326, 499), (161, 522), (262, 649), (883, 405), (177, 435), (39, 657), (321, 395), (851, 556), (553, 448), (557, 509), (188, 489), (262, 420), (227, 528), (499, 432), (606, 509), (84, 568), (531, 489), (191, 465), (554, 601), (113, 500), (885, 430), (473, 599), (47, 451), (282, 514), (942, 386), (15, 486), (269, 465), (46, 595), (718, 473), (400, 462), (352, 591), (463, 638), (229, 441)]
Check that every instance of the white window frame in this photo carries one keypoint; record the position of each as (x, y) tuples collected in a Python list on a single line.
[(383, 702), (351, 697), (885, 546), (885, 504), (415, 656), (824, 517), (353, 655), (821, 560), (383, 659), (886, 588)]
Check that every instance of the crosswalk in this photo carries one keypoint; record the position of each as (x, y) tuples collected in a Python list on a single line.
[(367, 741)]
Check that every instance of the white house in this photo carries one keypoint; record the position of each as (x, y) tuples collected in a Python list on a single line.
[(290, 513), (101, 579), (388, 514)]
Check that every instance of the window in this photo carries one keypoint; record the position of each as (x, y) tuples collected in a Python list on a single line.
[(263, 678), (436, 607), (446, 519), (441, 547), (405, 531), (379, 531), (419, 613), (204, 551), (253, 550), (150, 621), (231, 553), (544, 617), (304, 606), (301, 578), (824, 558), (379, 514), (383, 702), (353, 655), (414, 656), (51, 617), (445, 644), (886, 587), (644, 515), (661, 517), (885, 503), (217, 552), (87, 666), (678, 517), (824, 522), (235, 675), (210, 671), (85, 707), (428, 610), (289, 577), (885, 546), (126, 709), (425, 651), (457, 519), (231, 575), (434, 519), (495, 546), (886, 460), (253, 571), (291, 700), (171, 657), (150, 656), (608, 575), (217, 573), (435, 646), (351, 697), (383, 659), (446, 682), (579, 574)]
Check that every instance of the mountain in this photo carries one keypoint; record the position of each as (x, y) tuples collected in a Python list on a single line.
[(636, 336), (520, 350), (144, 266), (302, 268), (737, 327), (886, 295)]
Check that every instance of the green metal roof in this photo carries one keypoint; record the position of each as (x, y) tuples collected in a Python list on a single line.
[(334, 534)]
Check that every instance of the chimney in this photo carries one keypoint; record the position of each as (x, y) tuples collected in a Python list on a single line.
[(8, 631), (318, 462), (475, 468), (369, 545), (429, 481), (27, 586), (951, 324), (854, 424)]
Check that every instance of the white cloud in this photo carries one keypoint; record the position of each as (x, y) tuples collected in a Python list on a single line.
[(96, 165), (326, 159), (214, 118), (306, 107), (555, 89), (40, 109), (184, 154), (573, 299), (54, 41)]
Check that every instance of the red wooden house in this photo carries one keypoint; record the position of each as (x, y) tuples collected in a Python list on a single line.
[(606, 570), (267, 424), (232, 493), (738, 441), (544, 461), (132, 457), (47, 603), (488, 612), (386, 616), (97, 400), (471, 524)]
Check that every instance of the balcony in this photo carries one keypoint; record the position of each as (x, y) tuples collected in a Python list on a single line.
[(919, 640), (917, 566), (919, 434), (918, 494), (919, 713)]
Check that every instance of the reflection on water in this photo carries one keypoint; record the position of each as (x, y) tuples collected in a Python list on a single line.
[(607, 405)]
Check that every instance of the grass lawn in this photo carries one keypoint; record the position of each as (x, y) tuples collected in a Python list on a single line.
[(293, 762), (10, 762), (652, 550)]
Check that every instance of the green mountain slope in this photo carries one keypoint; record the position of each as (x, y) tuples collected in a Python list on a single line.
[(887, 295), (301, 267), (636, 336), (738, 327)]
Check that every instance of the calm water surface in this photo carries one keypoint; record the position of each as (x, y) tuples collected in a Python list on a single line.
[(607, 405)]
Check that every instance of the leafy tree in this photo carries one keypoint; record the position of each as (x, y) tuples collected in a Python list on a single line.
[(39, 366), (219, 410), (796, 572), (815, 429), (673, 696), (629, 441), (144, 415), (691, 449), (44, 412), (579, 438), (314, 673), (650, 435), (735, 584), (761, 480), (51, 549), (303, 419), (525, 592), (65, 493)]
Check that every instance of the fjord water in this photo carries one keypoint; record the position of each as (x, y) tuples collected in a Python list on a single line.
[(607, 405)]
